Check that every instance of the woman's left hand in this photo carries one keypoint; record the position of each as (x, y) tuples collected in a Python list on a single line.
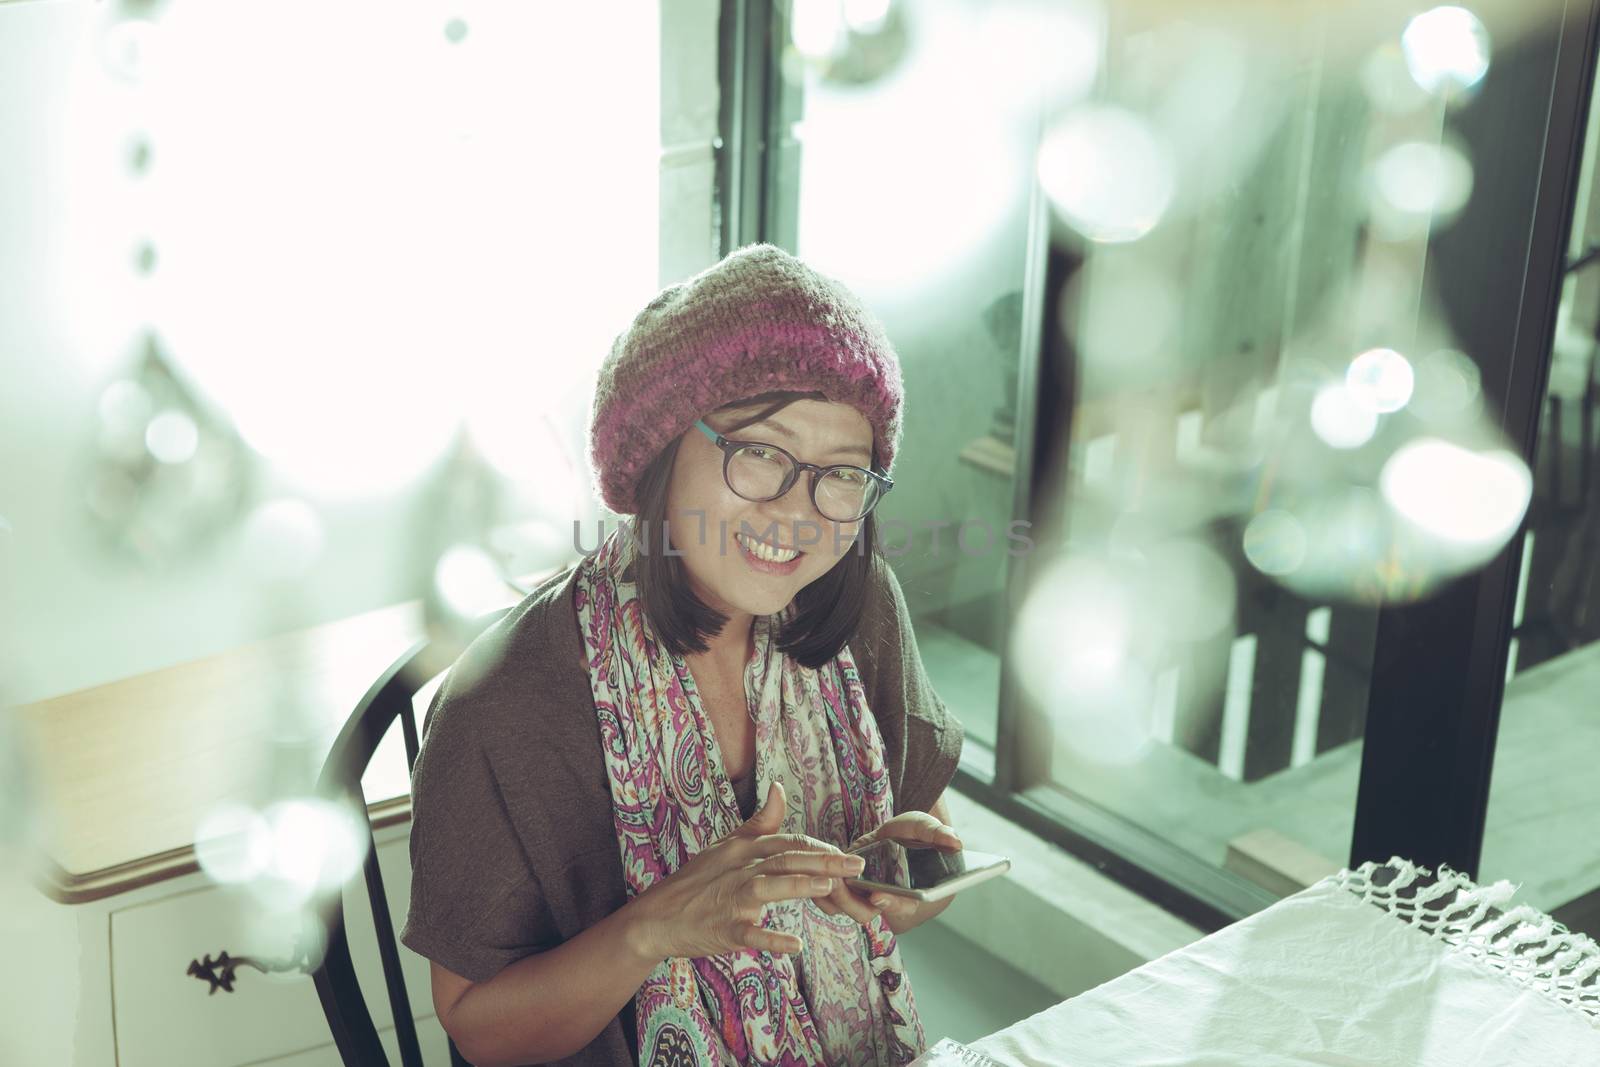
[(911, 826), (917, 826)]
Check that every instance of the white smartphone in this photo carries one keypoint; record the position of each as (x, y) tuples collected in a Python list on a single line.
[(935, 873)]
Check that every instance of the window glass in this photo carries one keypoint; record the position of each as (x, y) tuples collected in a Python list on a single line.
[(909, 171), (1274, 428), (308, 301)]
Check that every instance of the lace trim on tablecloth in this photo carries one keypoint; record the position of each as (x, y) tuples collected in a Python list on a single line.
[(1520, 942)]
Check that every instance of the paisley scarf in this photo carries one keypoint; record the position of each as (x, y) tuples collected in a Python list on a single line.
[(844, 1000)]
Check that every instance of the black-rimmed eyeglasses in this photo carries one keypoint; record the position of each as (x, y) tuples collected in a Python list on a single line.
[(754, 470)]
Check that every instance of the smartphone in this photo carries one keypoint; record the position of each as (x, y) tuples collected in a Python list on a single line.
[(935, 873)]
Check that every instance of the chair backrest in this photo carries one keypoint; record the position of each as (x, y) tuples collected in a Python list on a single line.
[(391, 697)]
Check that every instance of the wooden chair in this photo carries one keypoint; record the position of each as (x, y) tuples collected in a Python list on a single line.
[(391, 697)]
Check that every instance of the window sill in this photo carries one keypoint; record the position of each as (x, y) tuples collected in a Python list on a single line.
[(1052, 916)]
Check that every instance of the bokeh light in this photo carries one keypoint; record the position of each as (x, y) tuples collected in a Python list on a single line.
[(1456, 494), (315, 844), (817, 28), (1346, 540), (233, 844), (1275, 542), (1340, 417), (1380, 378), (1342, 512), (286, 853), (1097, 632), (1113, 737), (172, 437), (1417, 185), (285, 932), (1448, 387), (167, 473), (1105, 173), (1446, 48), (1129, 312), (1075, 634), (866, 16), (468, 581), (1049, 49)]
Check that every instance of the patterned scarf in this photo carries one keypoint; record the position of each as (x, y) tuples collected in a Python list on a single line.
[(844, 1000)]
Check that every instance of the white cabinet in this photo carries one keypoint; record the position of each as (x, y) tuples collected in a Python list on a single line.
[(429, 1036), (162, 1016), (124, 773), (166, 1017)]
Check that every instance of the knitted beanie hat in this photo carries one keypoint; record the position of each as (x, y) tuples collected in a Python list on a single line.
[(757, 321)]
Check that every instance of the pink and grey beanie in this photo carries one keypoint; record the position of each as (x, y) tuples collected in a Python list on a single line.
[(757, 321)]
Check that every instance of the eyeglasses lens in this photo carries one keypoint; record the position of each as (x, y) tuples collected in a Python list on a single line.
[(843, 494)]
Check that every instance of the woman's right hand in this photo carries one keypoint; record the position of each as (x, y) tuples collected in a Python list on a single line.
[(713, 904)]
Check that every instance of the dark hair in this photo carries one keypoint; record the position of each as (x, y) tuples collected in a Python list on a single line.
[(827, 611)]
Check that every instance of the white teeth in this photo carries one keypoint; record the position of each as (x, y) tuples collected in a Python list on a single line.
[(761, 550)]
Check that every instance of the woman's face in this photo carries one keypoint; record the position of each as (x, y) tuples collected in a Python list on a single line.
[(709, 522)]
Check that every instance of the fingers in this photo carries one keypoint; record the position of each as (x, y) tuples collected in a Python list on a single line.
[(916, 826), (862, 841), (743, 849), (852, 902), (758, 937), (892, 905), (830, 864), (769, 816), (924, 828), (765, 888), (941, 836), (772, 844)]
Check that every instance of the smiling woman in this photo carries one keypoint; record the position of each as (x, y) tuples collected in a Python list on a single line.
[(743, 702), (734, 554)]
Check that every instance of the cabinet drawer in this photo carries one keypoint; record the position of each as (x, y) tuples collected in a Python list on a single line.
[(435, 1050), (165, 1017)]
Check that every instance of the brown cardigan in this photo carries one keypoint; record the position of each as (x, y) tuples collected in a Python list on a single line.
[(513, 850)]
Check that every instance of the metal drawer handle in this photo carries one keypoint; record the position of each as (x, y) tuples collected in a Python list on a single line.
[(220, 971)]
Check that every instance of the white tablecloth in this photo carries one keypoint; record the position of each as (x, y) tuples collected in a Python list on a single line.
[(1350, 972)]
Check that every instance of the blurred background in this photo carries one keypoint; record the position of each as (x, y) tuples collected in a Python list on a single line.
[(1273, 326)]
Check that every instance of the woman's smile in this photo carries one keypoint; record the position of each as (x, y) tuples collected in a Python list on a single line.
[(767, 559)]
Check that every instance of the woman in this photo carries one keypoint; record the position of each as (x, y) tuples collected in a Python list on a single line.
[(591, 877)]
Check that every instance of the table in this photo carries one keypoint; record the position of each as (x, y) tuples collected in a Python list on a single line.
[(124, 772), (1387, 965)]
